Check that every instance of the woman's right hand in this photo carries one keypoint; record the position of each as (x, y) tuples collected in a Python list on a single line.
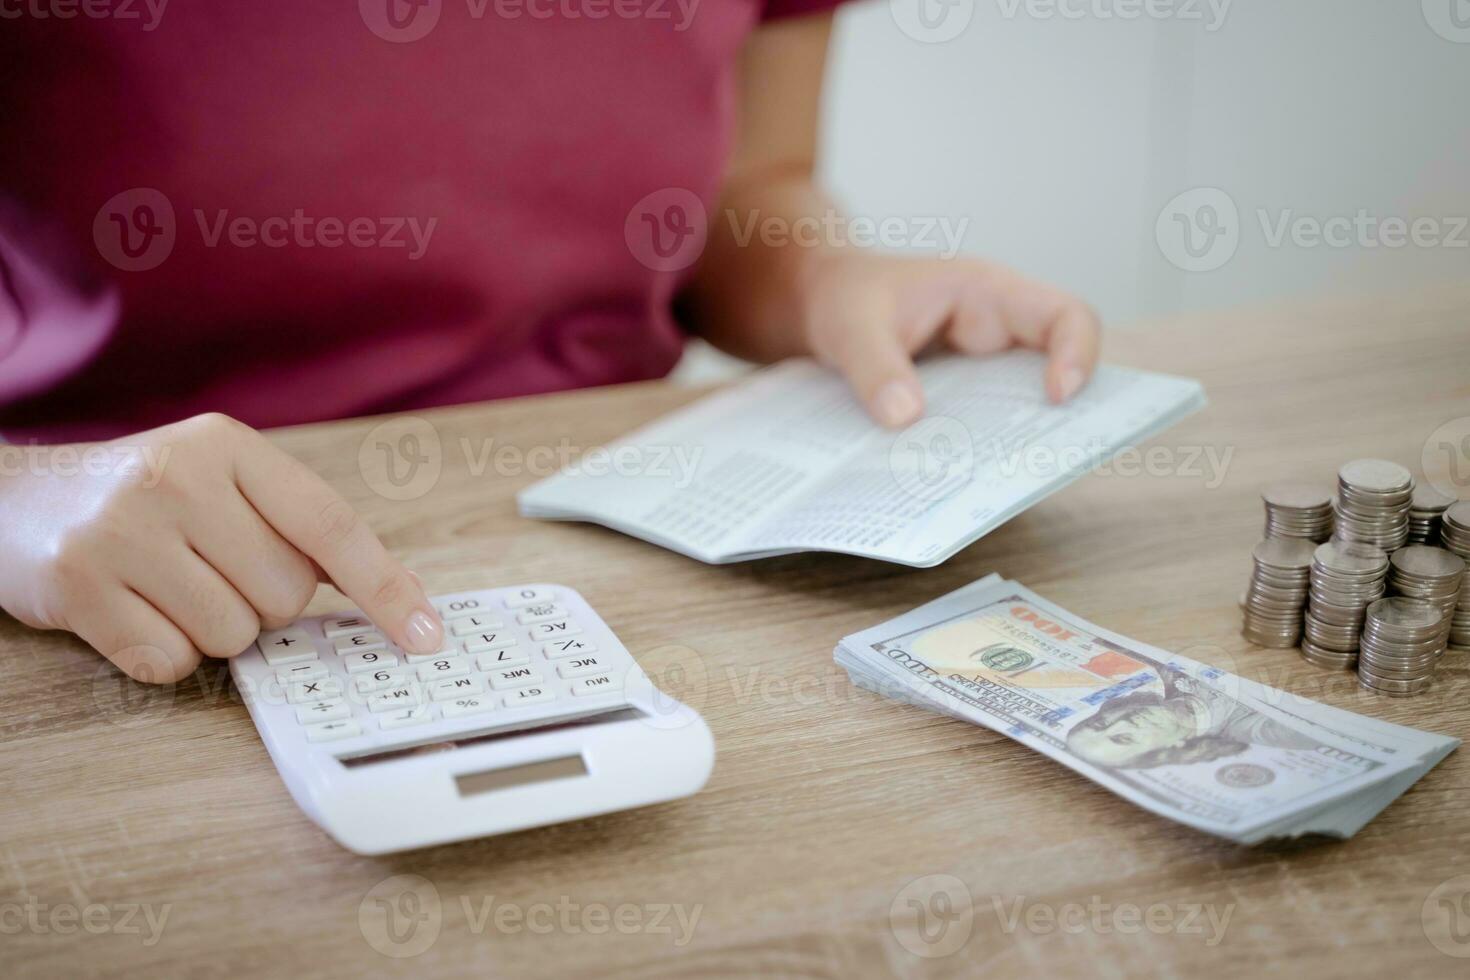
[(194, 537)]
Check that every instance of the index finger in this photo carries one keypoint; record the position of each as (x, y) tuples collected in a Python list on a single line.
[(317, 520)]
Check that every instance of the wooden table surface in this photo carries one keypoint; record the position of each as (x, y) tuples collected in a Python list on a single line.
[(828, 807)]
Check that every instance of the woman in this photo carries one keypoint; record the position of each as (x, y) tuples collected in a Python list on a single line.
[(219, 217)]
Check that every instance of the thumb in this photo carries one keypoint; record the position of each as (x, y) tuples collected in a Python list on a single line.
[(880, 370)]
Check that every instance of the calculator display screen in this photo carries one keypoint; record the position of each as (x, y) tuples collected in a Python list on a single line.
[(529, 772), (467, 739)]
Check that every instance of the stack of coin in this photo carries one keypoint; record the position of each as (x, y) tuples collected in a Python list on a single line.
[(1346, 577), (1297, 510), (1454, 535), (1431, 574), (1372, 506), (1402, 641), (1425, 509), (1277, 592)]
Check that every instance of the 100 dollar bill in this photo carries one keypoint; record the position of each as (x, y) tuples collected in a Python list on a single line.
[(1182, 739)]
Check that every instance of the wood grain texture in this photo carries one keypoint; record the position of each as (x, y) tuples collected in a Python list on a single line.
[(825, 801)]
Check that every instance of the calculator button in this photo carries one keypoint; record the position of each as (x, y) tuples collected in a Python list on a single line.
[(555, 629), (423, 658), (332, 730), (291, 645), (504, 680), (475, 623), (458, 688), (444, 669), (371, 660), (524, 597), (394, 698), (360, 641), (332, 709), (405, 717), (466, 706), (528, 695), (461, 607), (606, 684), (540, 613), (380, 680), (310, 670), (492, 640), (583, 667), (567, 648), (303, 692), (496, 659), (346, 626)]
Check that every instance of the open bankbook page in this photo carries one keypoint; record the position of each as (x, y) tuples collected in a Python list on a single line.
[(788, 461)]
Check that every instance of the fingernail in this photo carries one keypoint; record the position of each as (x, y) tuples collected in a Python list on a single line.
[(424, 633), (897, 404), (1071, 382)]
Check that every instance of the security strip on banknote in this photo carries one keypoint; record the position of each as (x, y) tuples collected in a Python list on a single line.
[(1181, 739)]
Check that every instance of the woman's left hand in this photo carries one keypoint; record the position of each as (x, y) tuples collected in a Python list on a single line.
[(868, 315)]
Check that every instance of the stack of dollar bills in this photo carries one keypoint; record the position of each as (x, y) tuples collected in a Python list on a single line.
[(1181, 739)]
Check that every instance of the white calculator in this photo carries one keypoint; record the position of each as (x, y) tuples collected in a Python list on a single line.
[(533, 713)]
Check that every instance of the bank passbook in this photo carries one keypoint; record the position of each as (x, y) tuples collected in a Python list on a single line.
[(787, 461)]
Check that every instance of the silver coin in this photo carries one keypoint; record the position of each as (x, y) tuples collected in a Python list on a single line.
[(1284, 553), (1378, 475), (1350, 558), (1427, 562), (1395, 692), (1426, 498), (1405, 614), (1297, 496), (1457, 515)]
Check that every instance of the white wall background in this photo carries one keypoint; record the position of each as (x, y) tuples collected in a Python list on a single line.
[(1062, 130)]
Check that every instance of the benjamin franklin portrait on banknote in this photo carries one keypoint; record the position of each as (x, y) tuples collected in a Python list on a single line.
[(1188, 722)]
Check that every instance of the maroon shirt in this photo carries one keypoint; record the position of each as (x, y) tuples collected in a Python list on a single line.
[(291, 210)]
